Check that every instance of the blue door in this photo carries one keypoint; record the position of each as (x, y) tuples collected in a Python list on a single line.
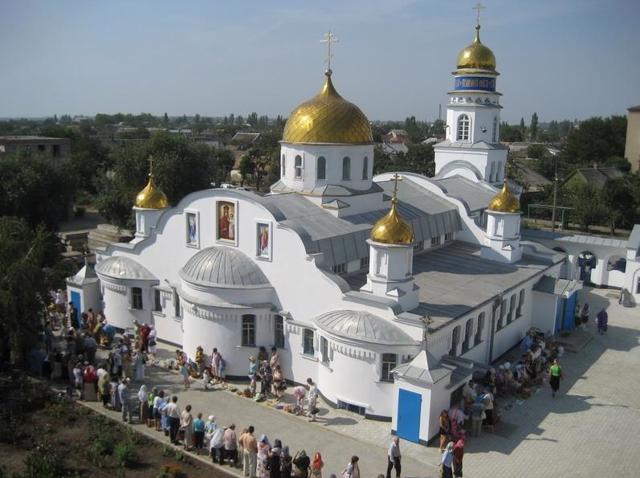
[(75, 298), (409, 406), (568, 321)]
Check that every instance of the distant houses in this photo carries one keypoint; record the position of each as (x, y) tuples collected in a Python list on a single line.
[(49, 147)]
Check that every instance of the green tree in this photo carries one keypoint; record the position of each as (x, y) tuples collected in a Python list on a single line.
[(533, 127), (180, 167), (536, 151), (595, 140), (619, 201), (25, 253), (510, 133), (588, 207), (165, 120), (247, 167), (36, 188), (523, 129)]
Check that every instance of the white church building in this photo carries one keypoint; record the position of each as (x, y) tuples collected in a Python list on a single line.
[(386, 290)]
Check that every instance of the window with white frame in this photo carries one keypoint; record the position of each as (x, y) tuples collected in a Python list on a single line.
[(307, 342), (324, 350), (512, 307), (284, 165), (520, 303), (157, 303), (136, 298), (455, 340), (418, 246), (364, 262), (448, 237), (346, 168), (502, 312), (479, 328), (464, 124), (298, 166), (435, 241), (322, 168), (278, 332), (365, 168), (468, 336), (248, 330), (389, 362), (176, 305)]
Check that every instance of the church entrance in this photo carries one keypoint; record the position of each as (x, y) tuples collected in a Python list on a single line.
[(409, 407)]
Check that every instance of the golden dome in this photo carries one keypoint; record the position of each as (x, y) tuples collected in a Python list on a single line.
[(392, 229), (477, 56), (504, 201), (327, 118), (151, 197)]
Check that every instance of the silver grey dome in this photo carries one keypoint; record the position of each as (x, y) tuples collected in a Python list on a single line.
[(363, 326), (121, 267), (223, 266)]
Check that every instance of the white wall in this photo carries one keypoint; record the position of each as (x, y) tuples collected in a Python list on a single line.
[(544, 313)]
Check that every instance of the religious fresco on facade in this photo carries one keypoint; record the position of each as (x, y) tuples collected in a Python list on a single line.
[(192, 229), (227, 221), (263, 240)]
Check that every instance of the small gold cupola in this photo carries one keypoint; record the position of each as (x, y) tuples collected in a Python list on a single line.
[(392, 228), (151, 197), (477, 56), (504, 201)]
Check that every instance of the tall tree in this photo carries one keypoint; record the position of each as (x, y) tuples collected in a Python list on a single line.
[(533, 127), (523, 129), (595, 140)]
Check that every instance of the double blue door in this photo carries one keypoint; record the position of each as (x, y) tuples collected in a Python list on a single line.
[(409, 406)]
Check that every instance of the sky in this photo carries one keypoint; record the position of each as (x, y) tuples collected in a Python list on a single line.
[(564, 59)]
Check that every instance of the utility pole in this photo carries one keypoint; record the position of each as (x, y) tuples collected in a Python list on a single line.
[(555, 194)]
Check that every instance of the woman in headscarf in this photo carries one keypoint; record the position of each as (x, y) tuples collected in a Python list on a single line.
[(144, 404), (447, 461), (445, 427), (138, 360), (263, 457), (301, 464), (458, 455), (352, 470), (103, 389), (286, 463), (274, 459), (316, 466), (186, 423)]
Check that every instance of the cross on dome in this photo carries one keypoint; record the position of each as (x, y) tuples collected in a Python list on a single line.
[(150, 165), (396, 177), (329, 38), (478, 7)]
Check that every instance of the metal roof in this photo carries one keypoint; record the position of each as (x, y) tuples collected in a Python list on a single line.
[(423, 368), (594, 240), (362, 326), (223, 266), (121, 267), (474, 195), (455, 280)]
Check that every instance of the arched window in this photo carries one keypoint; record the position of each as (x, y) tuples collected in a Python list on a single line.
[(464, 124), (284, 165), (494, 131), (468, 336), (455, 339), (322, 168), (346, 168), (365, 168), (298, 166), (479, 329)]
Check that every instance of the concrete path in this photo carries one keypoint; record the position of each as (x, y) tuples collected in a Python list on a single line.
[(589, 430)]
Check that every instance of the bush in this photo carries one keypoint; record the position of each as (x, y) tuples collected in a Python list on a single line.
[(126, 455), (44, 462)]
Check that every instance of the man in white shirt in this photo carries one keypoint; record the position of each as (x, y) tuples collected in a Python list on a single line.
[(312, 400), (173, 415), (393, 457)]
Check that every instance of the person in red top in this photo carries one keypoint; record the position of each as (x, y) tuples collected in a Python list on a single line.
[(458, 455), (144, 337)]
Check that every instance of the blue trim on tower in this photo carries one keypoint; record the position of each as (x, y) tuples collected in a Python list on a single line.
[(475, 83)]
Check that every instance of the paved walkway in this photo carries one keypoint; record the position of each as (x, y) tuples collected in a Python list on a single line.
[(587, 431)]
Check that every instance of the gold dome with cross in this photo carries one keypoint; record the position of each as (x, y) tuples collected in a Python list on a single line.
[(477, 56), (151, 197), (327, 118), (392, 228)]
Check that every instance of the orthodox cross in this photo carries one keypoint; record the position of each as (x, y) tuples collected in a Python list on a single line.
[(150, 165), (329, 39), (396, 178), (478, 7)]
